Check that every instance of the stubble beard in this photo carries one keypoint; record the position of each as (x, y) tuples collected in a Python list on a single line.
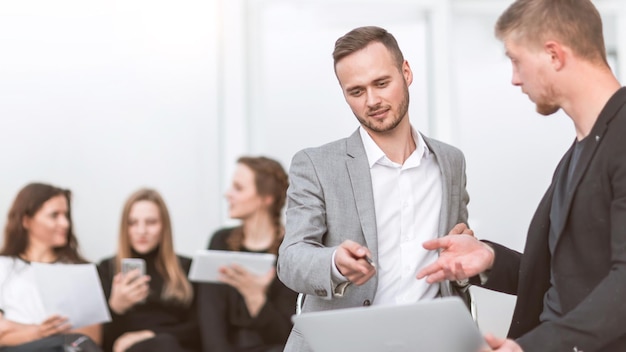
[(383, 126), (546, 107)]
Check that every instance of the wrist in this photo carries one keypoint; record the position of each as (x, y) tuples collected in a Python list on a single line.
[(255, 304), (491, 255), (116, 307)]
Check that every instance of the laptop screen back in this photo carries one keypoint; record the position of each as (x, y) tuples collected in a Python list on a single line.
[(440, 325)]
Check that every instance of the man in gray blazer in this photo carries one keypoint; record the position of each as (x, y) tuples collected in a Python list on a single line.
[(360, 208)]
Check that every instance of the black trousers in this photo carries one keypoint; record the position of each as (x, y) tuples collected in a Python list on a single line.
[(158, 343), (56, 343)]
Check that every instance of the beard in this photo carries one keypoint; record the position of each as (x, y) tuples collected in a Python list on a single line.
[(391, 122), (546, 105), (546, 109)]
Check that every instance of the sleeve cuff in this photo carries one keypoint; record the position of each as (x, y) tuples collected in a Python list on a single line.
[(339, 282)]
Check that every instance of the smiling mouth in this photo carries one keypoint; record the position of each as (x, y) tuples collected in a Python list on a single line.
[(378, 113)]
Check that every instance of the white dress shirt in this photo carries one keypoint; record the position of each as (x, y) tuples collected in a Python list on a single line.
[(407, 201)]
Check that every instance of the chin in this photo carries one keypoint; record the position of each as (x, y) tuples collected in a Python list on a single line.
[(235, 215), (144, 249), (547, 109), (59, 245)]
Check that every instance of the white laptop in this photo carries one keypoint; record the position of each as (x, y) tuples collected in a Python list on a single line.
[(206, 263), (440, 325)]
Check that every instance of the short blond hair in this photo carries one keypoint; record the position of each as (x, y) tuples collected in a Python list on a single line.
[(575, 23)]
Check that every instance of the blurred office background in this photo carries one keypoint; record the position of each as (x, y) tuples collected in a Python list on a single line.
[(104, 97)]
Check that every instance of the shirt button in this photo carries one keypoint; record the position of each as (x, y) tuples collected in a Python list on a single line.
[(367, 303)]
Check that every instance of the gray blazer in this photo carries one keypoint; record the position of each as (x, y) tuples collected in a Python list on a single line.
[(330, 200)]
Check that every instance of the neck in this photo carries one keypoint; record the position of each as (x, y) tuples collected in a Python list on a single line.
[(397, 144), (39, 254), (258, 231), (582, 104)]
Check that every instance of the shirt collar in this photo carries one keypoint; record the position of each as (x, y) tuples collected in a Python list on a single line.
[(375, 154)]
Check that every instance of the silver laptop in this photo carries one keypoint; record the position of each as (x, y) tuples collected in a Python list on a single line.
[(440, 325)]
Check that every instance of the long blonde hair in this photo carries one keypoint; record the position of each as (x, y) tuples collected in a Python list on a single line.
[(176, 287)]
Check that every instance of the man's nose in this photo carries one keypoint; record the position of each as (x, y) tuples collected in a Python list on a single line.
[(373, 98)]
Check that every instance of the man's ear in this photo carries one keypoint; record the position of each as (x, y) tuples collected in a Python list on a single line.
[(407, 73), (558, 54)]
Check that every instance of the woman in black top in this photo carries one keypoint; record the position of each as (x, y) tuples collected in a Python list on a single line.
[(250, 313), (157, 311)]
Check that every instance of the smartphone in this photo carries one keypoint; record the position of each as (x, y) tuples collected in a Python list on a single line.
[(129, 264)]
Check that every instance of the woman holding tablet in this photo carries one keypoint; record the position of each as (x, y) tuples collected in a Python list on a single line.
[(38, 230), (250, 313), (151, 301)]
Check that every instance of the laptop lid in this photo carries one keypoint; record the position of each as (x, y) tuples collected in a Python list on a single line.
[(440, 325)]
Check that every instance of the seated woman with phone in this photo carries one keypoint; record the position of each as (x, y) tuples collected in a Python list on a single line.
[(249, 312), (38, 230), (151, 301)]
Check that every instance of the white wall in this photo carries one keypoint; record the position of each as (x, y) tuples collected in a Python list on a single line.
[(296, 101), (103, 97)]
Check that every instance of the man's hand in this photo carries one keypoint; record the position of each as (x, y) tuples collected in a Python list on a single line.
[(353, 262), (501, 345), (461, 257)]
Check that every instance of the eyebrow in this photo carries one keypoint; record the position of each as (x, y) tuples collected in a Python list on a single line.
[(377, 80)]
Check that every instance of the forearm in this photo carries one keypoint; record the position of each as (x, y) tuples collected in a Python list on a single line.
[(307, 247), (504, 274), (19, 334), (254, 303), (313, 263)]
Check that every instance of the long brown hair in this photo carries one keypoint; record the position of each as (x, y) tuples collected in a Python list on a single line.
[(26, 204), (176, 287), (270, 179)]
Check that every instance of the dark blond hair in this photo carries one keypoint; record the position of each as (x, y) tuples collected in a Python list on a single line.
[(270, 179), (361, 37), (26, 204), (574, 23), (176, 287)]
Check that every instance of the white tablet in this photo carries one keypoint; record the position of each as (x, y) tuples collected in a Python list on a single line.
[(439, 325), (206, 263)]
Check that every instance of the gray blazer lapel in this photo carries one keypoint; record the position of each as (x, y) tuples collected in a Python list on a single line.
[(446, 185), (361, 182)]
